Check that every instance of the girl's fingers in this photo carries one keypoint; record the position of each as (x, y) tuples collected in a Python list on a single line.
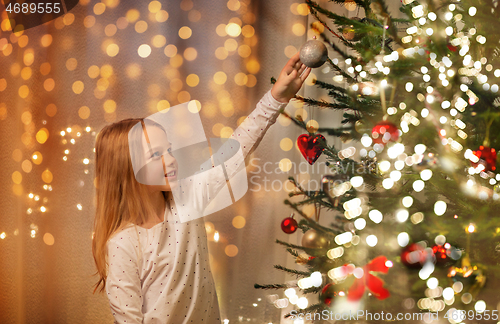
[(288, 69), (298, 65), (293, 63), (294, 60), (304, 75), (302, 68)]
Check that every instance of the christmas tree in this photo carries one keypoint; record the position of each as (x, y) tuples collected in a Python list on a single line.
[(417, 201)]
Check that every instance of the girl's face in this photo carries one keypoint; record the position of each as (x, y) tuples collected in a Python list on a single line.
[(160, 160)]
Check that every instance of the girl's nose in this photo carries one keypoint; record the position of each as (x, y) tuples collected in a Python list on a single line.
[(169, 159)]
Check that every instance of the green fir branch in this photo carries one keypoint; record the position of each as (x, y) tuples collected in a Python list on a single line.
[(293, 252), (293, 271), (313, 224), (310, 251), (271, 286), (321, 103), (310, 309)]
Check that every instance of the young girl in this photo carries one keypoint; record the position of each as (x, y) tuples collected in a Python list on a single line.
[(153, 267)]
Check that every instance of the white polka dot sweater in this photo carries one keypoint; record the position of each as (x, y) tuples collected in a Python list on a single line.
[(162, 274)]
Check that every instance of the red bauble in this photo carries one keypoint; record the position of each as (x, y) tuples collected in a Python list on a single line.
[(310, 147), (327, 294), (487, 157), (413, 256), (289, 225), (384, 132), (452, 48), (440, 254)]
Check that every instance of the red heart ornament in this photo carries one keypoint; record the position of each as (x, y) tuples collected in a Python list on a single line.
[(310, 146)]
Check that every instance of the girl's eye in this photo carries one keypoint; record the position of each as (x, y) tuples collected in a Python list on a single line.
[(169, 151), (156, 154)]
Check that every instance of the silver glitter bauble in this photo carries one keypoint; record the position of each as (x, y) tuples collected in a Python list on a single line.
[(313, 239), (313, 53)]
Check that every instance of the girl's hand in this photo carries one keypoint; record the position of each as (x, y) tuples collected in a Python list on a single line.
[(290, 80)]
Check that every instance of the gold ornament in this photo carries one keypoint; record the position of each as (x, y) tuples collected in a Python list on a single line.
[(349, 32), (313, 239), (472, 277), (302, 259)]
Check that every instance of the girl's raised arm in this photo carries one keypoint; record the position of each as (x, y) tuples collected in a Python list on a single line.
[(211, 180)]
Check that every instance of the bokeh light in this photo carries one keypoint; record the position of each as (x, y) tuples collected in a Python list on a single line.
[(144, 50), (78, 87), (216, 129), (176, 61), (162, 105), (185, 32), (46, 40), (154, 6), (71, 64), (221, 53), (194, 106), (133, 70), (84, 112), (161, 16), (45, 68), (106, 71), (99, 8), (239, 222), (190, 54), (192, 80), (109, 106), (220, 77), (194, 15), (286, 144), (159, 41), (298, 29), (110, 30), (37, 158), (240, 79), (253, 66), (48, 239), (42, 135), (89, 21), (141, 26), (17, 177), (285, 165), (226, 132), (231, 250), (248, 31), (23, 91)]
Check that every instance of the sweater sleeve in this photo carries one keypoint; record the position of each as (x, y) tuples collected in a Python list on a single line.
[(243, 142), (123, 285), (207, 191)]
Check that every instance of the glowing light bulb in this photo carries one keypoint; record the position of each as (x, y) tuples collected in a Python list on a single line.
[(439, 207)]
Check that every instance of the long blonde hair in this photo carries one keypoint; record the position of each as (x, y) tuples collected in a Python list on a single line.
[(121, 199)]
